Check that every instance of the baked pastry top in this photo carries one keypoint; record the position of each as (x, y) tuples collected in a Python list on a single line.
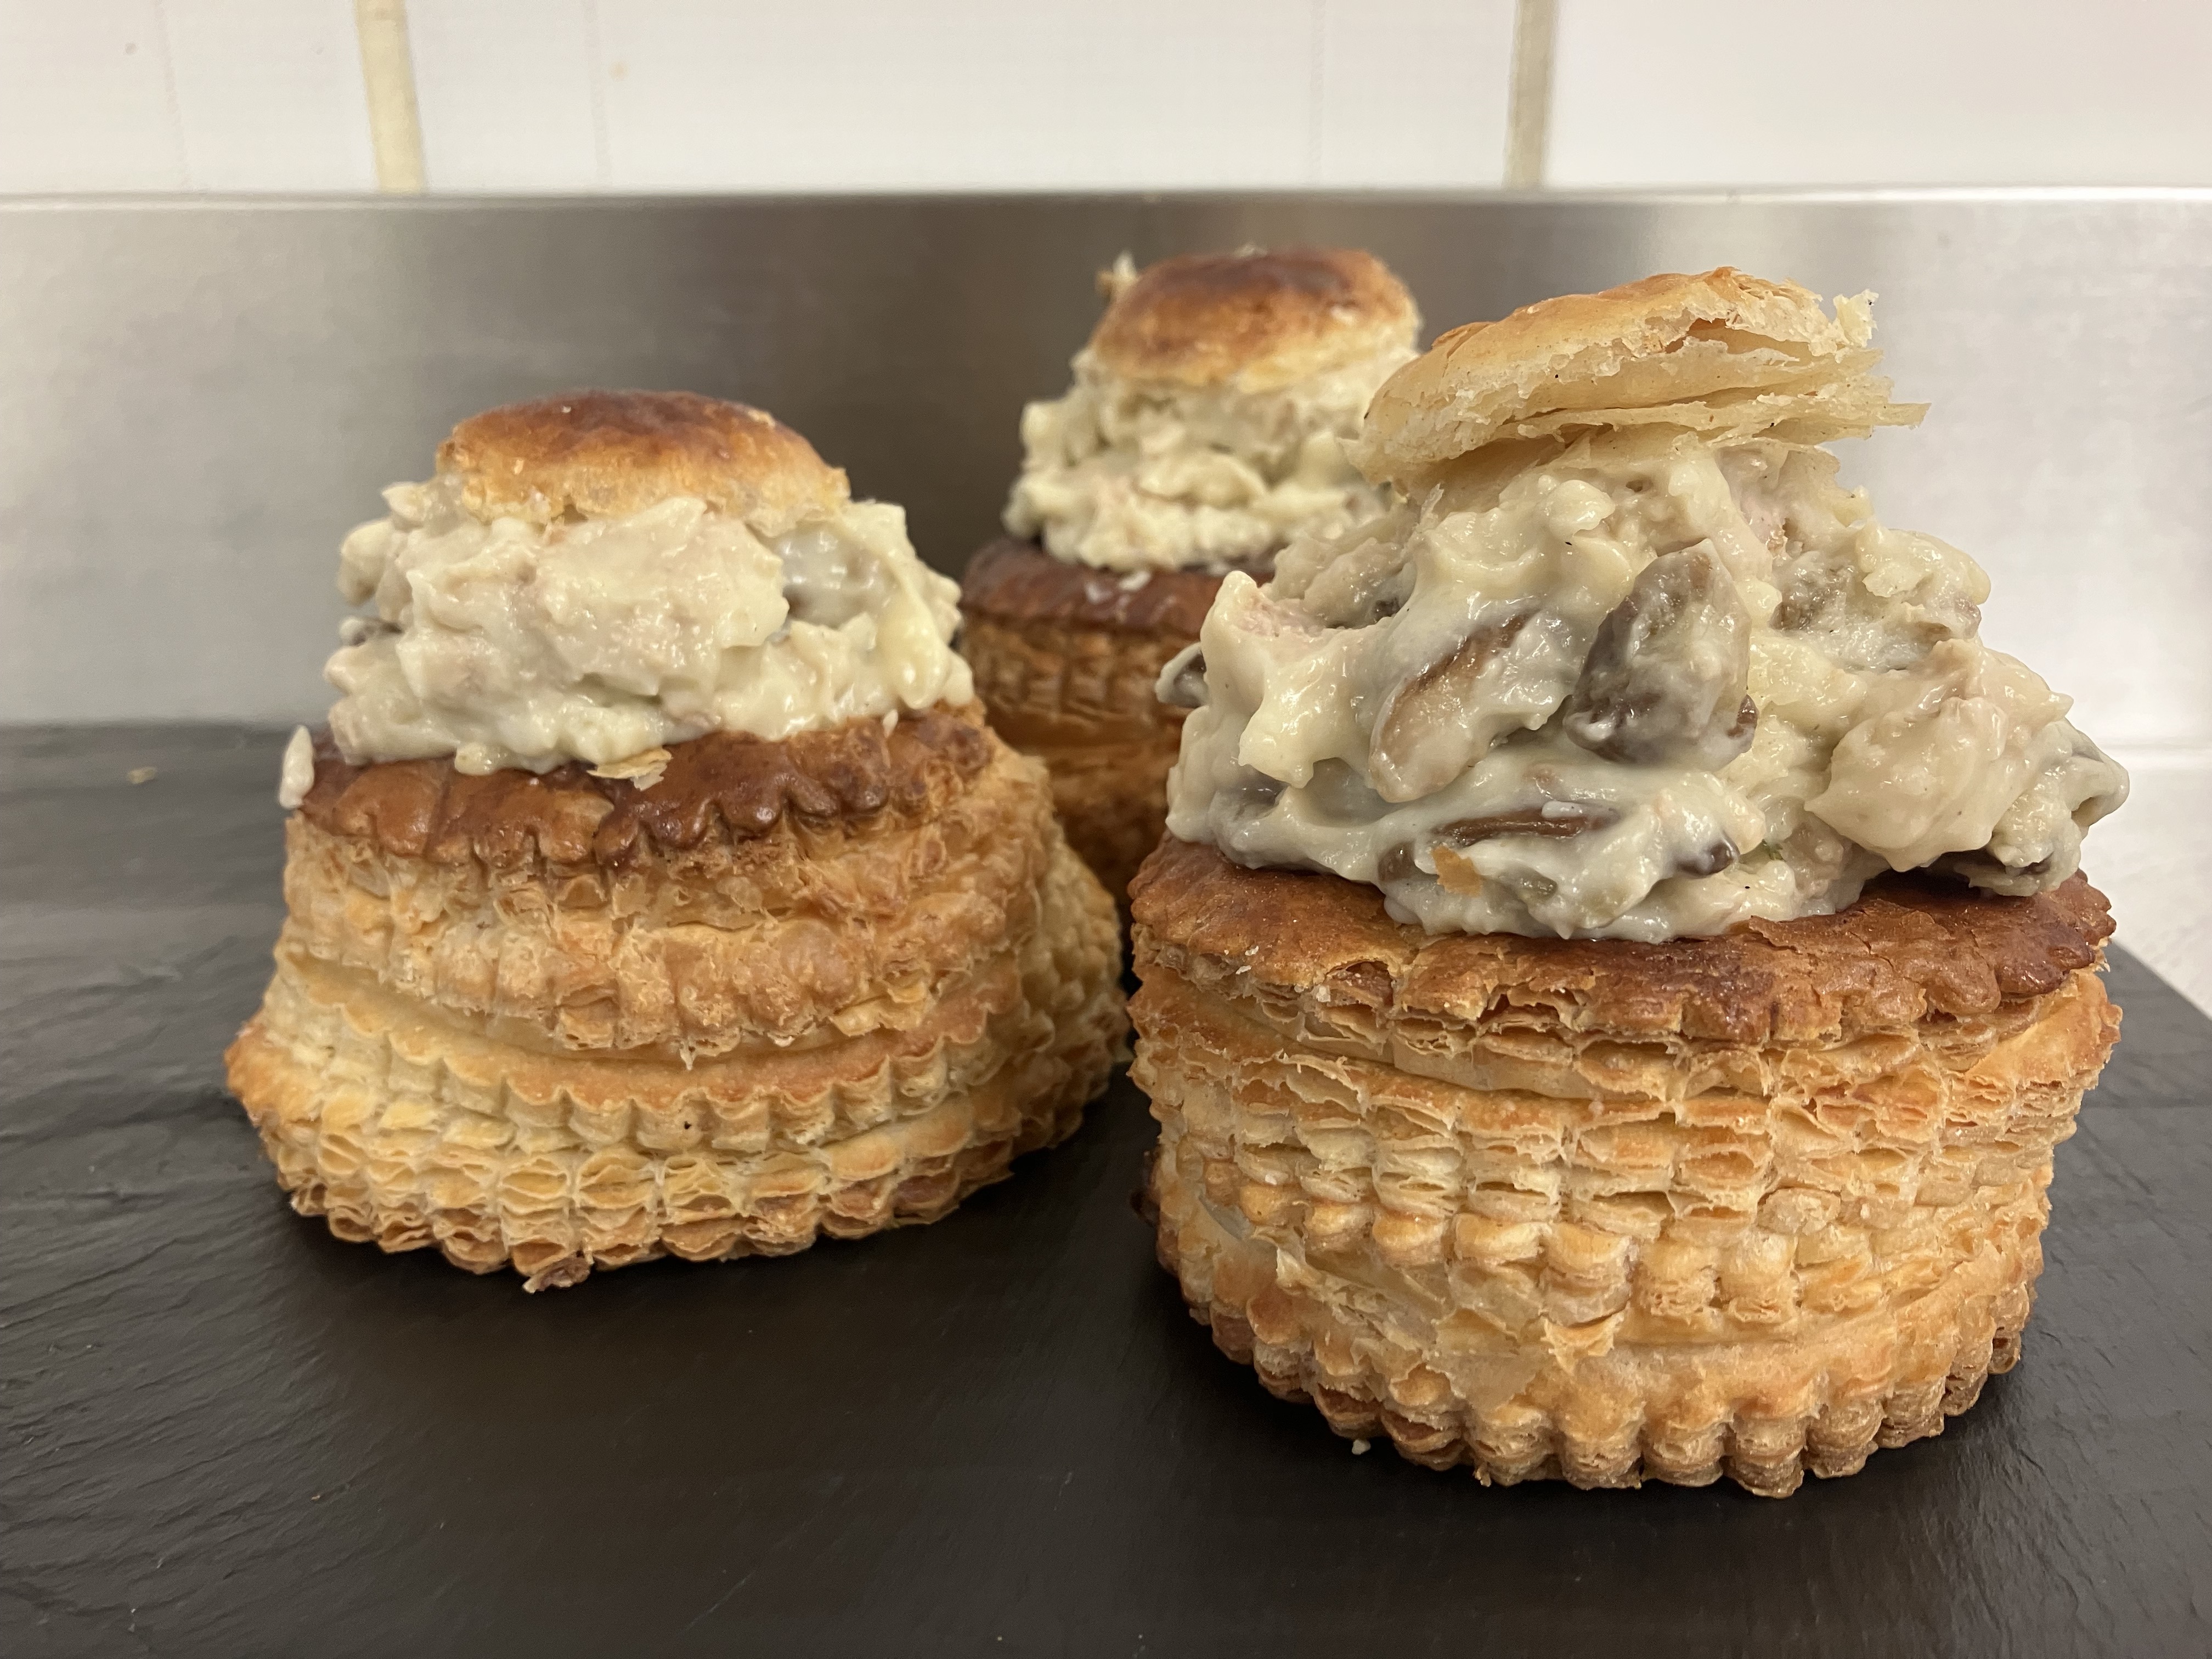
[(603, 455), (1261, 319), (1720, 353)]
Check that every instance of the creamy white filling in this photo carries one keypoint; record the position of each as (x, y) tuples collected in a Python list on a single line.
[(1519, 705), (1126, 475), (505, 643)]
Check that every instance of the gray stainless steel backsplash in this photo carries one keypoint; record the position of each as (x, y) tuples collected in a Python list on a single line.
[(197, 400)]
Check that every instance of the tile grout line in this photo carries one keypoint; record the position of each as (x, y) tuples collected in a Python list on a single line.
[(1528, 103), (1316, 88), (595, 62), (169, 93), (387, 74)]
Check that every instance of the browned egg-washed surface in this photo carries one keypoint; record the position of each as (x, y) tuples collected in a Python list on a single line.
[(1751, 1206), (1066, 660), (815, 987)]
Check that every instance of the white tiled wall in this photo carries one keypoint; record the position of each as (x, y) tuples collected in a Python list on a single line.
[(182, 94), (1056, 95), (763, 95), (1903, 92)]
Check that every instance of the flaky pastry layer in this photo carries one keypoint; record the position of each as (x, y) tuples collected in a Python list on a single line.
[(1718, 352), (1545, 1251), (409, 1128), (1072, 682), (709, 911), (524, 1042), (1912, 948)]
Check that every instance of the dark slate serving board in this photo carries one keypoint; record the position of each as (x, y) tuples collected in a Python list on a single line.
[(228, 1433)]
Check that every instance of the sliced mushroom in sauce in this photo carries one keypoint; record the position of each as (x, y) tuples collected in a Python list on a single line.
[(1418, 743), (1555, 819), (1396, 864), (1667, 676), (1183, 682), (1709, 860)]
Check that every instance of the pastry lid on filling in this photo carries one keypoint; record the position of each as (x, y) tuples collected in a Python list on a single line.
[(1722, 354), (595, 576), (605, 454), (1254, 320), (1210, 408), (1628, 662)]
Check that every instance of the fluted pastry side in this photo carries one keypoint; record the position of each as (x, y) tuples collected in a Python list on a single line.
[(834, 1023), (853, 918), (1510, 1240), (1081, 698)]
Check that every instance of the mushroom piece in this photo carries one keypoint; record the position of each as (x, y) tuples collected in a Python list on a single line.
[(1420, 736), (1707, 861), (1665, 676), (1183, 682), (1552, 819), (1555, 819), (1396, 864), (827, 580)]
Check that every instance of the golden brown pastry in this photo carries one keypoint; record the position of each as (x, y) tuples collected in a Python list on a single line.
[(707, 915), (1204, 429), (1618, 967), (1609, 1211)]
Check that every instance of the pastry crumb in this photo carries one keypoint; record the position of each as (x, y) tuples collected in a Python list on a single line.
[(645, 769), (1361, 1447), (143, 774)]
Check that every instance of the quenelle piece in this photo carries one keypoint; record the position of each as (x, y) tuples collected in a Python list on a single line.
[(658, 886), (1204, 429), (1691, 972)]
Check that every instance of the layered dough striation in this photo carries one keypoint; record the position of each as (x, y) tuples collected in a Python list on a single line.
[(1067, 659), (1752, 1204), (825, 985)]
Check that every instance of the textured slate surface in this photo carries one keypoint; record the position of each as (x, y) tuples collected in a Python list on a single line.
[(228, 1433)]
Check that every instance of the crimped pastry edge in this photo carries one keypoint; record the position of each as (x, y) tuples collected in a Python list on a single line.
[(1911, 947), (1231, 1048), (1033, 1094), (724, 789), (1769, 1458), (702, 949), (1016, 582), (1081, 699)]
